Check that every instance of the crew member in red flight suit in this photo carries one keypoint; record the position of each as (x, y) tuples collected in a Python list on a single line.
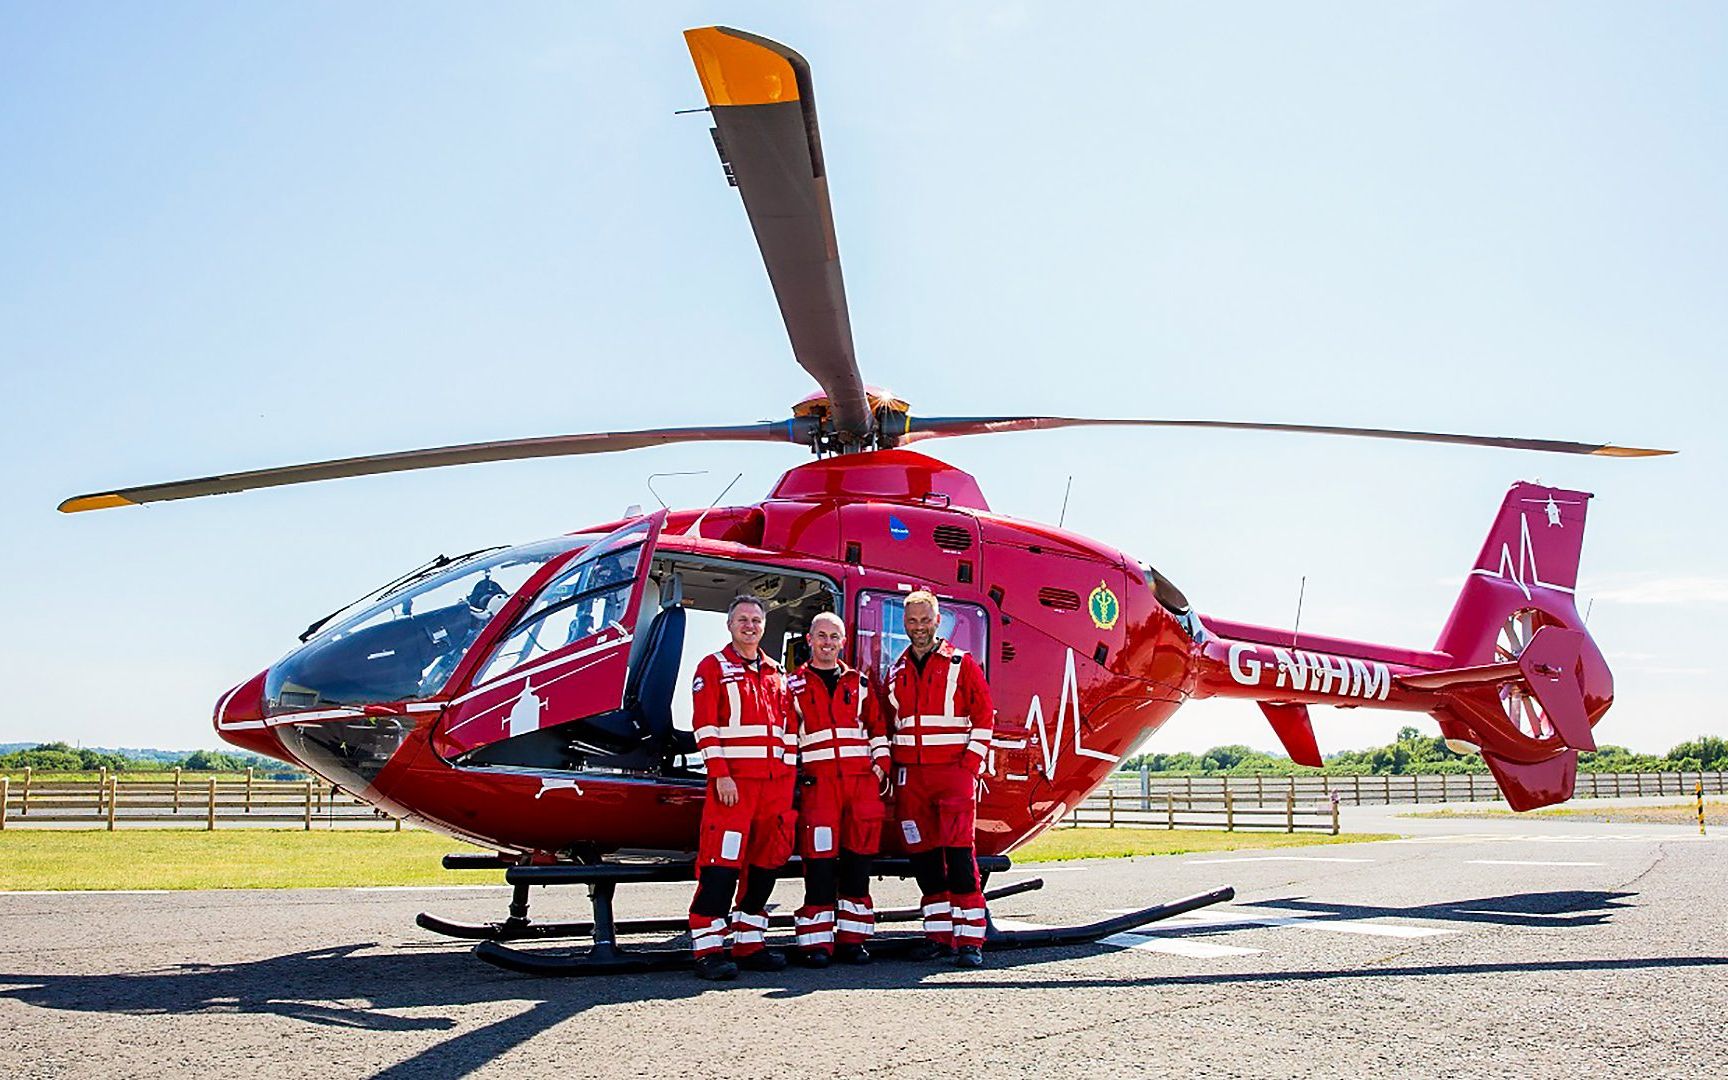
[(843, 767), (940, 718), (741, 719)]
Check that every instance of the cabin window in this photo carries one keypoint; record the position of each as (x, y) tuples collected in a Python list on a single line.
[(881, 629)]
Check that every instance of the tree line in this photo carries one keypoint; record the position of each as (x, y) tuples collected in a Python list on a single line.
[(59, 757), (1413, 752)]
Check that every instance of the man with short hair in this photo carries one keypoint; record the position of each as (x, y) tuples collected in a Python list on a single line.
[(843, 767), (940, 718), (741, 724)]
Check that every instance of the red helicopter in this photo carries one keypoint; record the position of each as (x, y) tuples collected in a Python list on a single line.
[(521, 697)]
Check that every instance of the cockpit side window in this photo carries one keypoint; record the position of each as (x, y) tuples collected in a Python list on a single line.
[(585, 598)]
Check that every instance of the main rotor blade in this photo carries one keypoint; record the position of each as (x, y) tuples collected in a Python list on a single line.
[(937, 427), (764, 108), (466, 454)]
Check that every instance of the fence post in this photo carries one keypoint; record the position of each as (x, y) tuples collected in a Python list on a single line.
[(1259, 790), (1229, 810), (101, 789), (1145, 786), (1444, 797), (210, 813), (1700, 806), (113, 797), (1388, 779), (248, 789), (1334, 813), (1170, 810), (1191, 786), (308, 805), (1111, 809), (176, 789), (399, 820), (25, 809), (6, 794), (1290, 811), (1358, 779)]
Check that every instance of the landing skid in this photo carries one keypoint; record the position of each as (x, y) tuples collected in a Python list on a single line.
[(604, 956)]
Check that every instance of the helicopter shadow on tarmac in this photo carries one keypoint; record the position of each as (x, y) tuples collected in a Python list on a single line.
[(394, 990)]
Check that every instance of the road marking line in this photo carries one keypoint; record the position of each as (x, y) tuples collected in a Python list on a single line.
[(1196, 950), (1273, 858), (1524, 862)]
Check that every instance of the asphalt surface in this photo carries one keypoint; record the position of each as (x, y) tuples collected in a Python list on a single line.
[(1518, 947)]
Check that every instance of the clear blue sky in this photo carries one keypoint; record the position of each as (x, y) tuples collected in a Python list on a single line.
[(234, 236)]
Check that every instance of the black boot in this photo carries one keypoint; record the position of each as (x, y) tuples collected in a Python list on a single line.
[(715, 967), (930, 949), (813, 958), (851, 952), (764, 960), (969, 956)]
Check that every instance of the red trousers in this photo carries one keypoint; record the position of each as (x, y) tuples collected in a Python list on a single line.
[(936, 807), (837, 813), (755, 831)]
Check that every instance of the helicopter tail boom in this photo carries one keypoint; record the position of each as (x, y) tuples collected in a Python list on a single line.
[(1514, 675)]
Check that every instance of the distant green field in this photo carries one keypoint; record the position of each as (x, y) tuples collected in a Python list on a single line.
[(1058, 845), (295, 859), (127, 776)]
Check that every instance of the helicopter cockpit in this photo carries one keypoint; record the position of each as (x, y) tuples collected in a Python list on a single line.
[(406, 644)]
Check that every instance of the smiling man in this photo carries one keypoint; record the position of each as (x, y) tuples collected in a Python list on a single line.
[(940, 718), (741, 711)]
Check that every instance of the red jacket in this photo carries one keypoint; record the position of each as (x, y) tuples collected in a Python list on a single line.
[(941, 715), (742, 715), (840, 733)]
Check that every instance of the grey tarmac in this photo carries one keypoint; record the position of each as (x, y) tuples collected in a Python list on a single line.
[(1524, 948)]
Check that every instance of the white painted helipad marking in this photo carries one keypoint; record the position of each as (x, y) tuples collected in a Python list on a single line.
[(1274, 858), (1193, 921), (1197, 950), (1524, 862)]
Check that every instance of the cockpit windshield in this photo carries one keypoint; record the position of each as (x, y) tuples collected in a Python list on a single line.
[(407, 644)]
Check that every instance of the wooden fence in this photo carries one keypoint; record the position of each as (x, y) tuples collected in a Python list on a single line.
[(1108, 809), (1386, 789), (119, 801)]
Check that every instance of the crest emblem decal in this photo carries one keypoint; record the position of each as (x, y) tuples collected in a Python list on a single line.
[(1104, 607)]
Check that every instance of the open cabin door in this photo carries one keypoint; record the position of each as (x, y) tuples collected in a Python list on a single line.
[(561, 650)]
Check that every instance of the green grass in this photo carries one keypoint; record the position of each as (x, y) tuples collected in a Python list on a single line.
[(227, 859), (295, 859), (40, 778), (1058, 845), (1681, 813)]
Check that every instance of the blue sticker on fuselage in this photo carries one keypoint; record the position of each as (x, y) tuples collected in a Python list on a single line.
[(897, 528)]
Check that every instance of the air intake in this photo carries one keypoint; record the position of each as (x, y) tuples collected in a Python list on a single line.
[(1059, 599), (952, 538)]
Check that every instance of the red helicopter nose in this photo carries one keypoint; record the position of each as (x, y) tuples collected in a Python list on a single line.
[(239, 719)]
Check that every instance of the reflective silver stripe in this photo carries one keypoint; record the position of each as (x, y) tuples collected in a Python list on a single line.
[(848, 926), (707, 941), (851, 908), (938, 907), (738, 751), (816, 739), (976, 913), (940, 721), (854, 751), (969, 933), (737, 731), (818, 755), (747, 919), (709, 732), (978, 748), (1008, 744), (957, 738), (823, 937), (953, 683), (747, 937), (735, 709), (938, 926)]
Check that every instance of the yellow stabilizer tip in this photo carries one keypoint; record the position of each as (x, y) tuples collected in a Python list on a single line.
[(94, 502), (1628, 451), (739, 71)]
